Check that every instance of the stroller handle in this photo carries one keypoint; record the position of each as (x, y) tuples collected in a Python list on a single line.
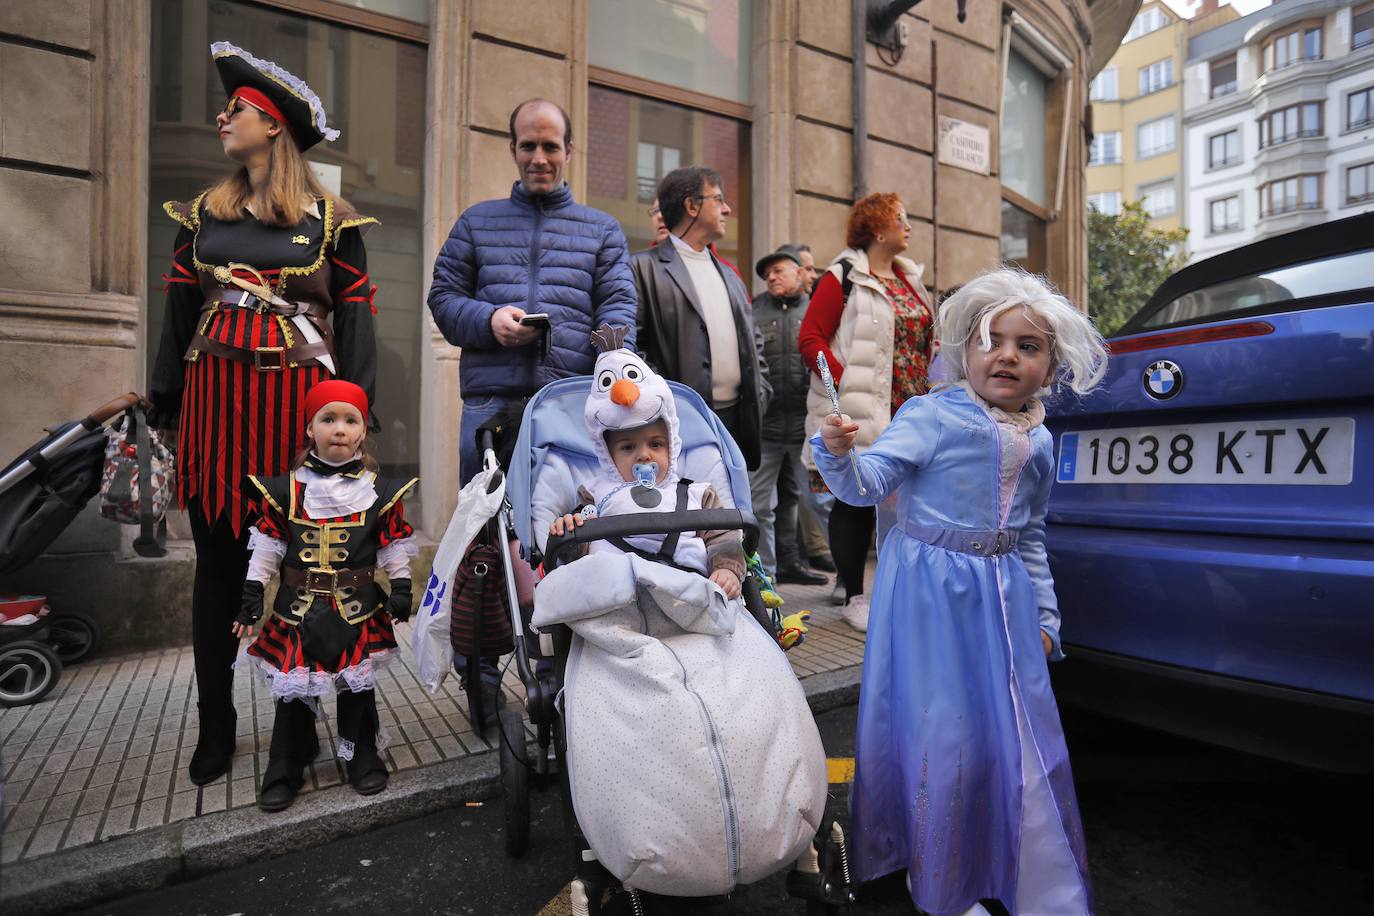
[(105, 412), (623, 526)]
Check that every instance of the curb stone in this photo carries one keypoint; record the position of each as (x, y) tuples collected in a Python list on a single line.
[(186, 850)]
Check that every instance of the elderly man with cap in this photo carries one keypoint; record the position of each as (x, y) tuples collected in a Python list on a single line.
[(778, 314)]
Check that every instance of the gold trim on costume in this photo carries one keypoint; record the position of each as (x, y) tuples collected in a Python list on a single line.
[(354, 223), (268, 496), (193, 221)]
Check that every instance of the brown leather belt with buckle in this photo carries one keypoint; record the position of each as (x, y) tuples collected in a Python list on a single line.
[(319, 581), (264, 359), (245, 299)]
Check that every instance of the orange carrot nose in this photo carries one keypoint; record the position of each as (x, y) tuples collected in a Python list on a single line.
[(625, 392)]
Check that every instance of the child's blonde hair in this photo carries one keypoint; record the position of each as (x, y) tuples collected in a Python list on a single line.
[(1079, 350)]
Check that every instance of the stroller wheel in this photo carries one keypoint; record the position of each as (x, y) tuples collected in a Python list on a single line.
[(515, 782), (28, 671), (72, 636)]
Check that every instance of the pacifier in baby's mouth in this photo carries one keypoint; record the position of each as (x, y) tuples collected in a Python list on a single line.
[(645, 474), (645, 491)]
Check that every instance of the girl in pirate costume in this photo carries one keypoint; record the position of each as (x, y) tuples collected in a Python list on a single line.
[(268, 295), (326, 528)]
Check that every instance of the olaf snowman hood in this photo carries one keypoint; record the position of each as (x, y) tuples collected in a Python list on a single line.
[(627, 394)]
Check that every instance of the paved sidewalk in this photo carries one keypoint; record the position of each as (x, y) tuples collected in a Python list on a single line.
[(105, 754)]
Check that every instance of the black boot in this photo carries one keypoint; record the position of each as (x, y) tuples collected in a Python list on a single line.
[(294, 746), (358, 723), (215, 746)]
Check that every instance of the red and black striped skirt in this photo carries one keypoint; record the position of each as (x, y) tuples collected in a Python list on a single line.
[(278, 657), (237, 420)]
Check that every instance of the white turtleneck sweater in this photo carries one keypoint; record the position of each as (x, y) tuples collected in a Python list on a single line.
[(720, 321)]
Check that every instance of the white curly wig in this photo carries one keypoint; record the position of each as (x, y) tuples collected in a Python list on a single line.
[(1079, 350)]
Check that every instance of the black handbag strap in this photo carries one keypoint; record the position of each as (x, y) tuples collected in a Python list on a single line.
[(152, 532)]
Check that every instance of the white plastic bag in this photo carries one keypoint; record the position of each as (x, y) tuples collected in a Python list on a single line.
[(430, 642)]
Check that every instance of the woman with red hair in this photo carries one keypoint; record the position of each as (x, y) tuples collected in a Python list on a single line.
[(872, 319)]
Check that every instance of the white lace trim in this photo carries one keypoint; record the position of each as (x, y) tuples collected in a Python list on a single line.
[(305, 684), (336, 495), (294, 84)]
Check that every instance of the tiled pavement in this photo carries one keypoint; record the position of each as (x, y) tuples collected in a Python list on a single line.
[(105, 754)]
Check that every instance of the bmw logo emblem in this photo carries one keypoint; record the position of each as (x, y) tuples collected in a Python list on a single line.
[(1163, 379)]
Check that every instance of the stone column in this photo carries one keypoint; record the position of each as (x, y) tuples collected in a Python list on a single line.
[(73, 99)]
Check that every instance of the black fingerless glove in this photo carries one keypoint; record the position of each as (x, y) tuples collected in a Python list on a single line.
[(398, 605), (250, 607)]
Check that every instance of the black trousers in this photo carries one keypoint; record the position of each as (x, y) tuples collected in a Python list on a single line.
[(221, 565), (851, 533)]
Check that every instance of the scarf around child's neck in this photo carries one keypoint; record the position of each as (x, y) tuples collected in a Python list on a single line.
[(327, 468), (1024, 420)]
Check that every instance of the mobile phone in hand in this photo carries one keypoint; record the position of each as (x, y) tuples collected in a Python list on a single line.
[(536, 320)]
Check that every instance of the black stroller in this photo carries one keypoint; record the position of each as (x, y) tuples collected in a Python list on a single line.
[(823, 883), (41, 492)]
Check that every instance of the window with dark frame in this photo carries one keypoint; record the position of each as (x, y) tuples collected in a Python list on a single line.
[(1291, 123), (1287, 195), (1223, 77), (1359, 109), (1359, 183), (1300, 43), (1362, 27), (1223, 149), (1224, 215)]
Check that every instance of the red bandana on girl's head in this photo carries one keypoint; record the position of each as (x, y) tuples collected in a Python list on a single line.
[(336, 389)]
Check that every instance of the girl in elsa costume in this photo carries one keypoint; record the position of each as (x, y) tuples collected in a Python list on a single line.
[(962, 777)]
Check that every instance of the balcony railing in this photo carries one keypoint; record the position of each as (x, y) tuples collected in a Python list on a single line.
[(1224, 89), (1289, 138), (1291, 208)]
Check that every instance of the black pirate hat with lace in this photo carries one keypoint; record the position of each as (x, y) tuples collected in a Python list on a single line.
[(274, 91)]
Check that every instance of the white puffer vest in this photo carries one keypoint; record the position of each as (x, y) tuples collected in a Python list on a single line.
[(863, 343)]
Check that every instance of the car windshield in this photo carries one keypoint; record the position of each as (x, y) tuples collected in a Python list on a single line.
[(1343, 273)]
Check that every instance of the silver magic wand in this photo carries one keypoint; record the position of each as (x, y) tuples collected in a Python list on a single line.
[(829, 381)]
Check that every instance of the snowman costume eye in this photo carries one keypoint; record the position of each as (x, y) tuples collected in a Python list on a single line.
[(605, 379)]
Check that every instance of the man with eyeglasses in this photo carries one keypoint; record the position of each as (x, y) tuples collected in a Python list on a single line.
[(695, 322)]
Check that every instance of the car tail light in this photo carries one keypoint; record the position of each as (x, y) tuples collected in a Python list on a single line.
[(1181, 338)]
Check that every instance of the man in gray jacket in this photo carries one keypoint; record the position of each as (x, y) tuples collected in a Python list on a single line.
[(778, 313), (695, 323)]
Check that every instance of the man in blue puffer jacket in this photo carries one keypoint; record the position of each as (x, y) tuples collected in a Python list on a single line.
[(537, 251)]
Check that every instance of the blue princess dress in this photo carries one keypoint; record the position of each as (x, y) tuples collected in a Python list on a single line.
[(961, 773)]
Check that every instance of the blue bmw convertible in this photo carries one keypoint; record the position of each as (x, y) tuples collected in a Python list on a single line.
[(1211, 530)]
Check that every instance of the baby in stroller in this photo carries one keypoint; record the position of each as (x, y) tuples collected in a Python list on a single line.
[(692, 760), (631, 416)]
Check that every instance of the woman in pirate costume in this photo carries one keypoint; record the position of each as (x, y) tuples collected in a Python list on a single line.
[(327, 527), (268, 295)]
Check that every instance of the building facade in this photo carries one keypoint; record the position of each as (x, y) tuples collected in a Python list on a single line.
[(108, 111), (1137, 99), (1279, 121)]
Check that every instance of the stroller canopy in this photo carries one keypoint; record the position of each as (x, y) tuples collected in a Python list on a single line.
[(554, 426)]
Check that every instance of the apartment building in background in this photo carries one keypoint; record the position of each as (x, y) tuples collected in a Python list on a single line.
[(1278, 122), (1137, 106)]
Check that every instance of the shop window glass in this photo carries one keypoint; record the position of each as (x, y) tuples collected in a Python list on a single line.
[(1023, 239), (702, 45), (374, 90), (634, 141), (1023, 129)]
